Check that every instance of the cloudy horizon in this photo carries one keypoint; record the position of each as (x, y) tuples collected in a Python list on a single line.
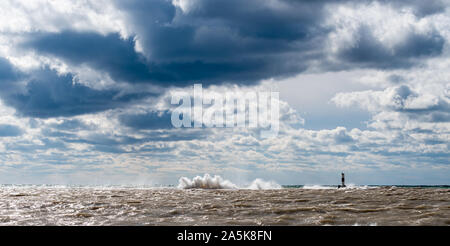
[(363, 88)]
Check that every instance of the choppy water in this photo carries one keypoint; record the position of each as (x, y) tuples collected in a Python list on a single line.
[(48, 205)]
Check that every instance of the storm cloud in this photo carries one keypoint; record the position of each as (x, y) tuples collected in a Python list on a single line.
[(221, 41), (49, 94), (368, 51)]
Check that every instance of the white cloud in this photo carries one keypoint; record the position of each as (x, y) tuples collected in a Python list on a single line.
[(390, 26), (53, 16)]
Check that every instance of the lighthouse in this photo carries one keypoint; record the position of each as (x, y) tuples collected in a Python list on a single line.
[(342, 180)]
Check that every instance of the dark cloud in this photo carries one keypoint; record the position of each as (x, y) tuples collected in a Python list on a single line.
[(420, 45), (419, 7), (151, 120), (213, 42), (436, 112), (224, 41), (441, 116), (282, 20), (227, 41), (9, 131), (434, 141), (48, 94), (108, 53), (55, 95), (342, 138), (7, 72), (170, 65), (395, 78), (368, 51)]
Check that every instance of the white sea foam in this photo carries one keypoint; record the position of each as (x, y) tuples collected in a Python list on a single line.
[(217, 182), (318, 187), (370, 224), (205, 182), (259, 184), (360, 187)]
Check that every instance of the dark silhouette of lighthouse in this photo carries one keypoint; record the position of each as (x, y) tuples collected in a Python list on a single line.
[(342, 180)]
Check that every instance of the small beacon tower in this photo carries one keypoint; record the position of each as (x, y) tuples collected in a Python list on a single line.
[(342, 180)]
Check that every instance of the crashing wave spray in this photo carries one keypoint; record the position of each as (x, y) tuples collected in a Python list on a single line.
[(259, 184), (217, 182)]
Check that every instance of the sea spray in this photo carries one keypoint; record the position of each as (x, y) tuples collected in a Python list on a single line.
[(205, 182), (217, 182), (318, 187), (259, 184)]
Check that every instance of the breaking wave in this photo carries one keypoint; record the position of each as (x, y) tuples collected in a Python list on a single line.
[(217, 182), (318, 187), (259, 184)]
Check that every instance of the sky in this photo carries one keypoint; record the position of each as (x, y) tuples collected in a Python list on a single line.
[(85, 89)]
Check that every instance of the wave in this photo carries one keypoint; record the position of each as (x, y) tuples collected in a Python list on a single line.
[(205, 182), (259, 184), (318, 187), (217, 182)]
